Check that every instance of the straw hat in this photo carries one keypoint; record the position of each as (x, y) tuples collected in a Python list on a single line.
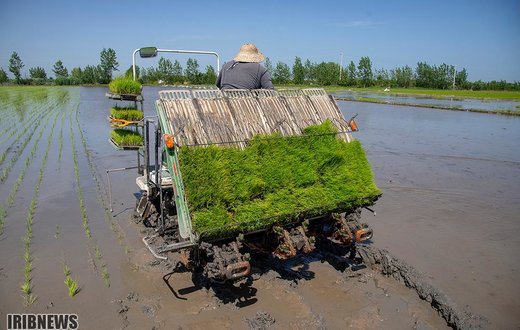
[(249, 53)]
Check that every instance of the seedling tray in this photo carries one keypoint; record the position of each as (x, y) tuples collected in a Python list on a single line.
[(274, 181)]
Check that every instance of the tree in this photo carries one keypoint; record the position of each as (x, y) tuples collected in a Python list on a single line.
[(192, 71), (365, 71), (59, 70), (15, 66), (177, 71), (3, 76), (309, 71), (461, 79), (76, 76), (298, 71), (165, 70), (282, 73), (38, 73), (210, 76), (351, 74), (382, 77), (108, 64), (91, 75), (130, 72), (269, 65), (327, 73), (403, 77)]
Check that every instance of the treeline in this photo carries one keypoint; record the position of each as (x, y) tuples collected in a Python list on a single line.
[(102, 73), (362, 74), (98, 74), (168, 72), (424, 75)]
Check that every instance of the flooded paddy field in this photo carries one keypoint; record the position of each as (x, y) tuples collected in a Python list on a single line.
[(450, 208), (450, 103)]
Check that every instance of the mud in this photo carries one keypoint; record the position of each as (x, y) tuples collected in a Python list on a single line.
[(451, 201), (389, 265), (438, 222)]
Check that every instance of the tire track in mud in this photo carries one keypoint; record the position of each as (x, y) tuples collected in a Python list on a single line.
[(387, 264), (26, 287)]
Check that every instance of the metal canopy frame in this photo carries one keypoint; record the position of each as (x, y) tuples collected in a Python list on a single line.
[(178, 51)]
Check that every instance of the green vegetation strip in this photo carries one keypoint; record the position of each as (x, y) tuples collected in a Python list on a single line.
[(79, 191), (60, 140), (130, 114), (274, 180), (124, 85), (126, 138)]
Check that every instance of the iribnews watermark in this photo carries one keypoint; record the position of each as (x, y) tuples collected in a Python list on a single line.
[(42, 321)]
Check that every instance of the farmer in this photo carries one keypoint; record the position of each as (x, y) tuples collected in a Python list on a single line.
[(245, 71)]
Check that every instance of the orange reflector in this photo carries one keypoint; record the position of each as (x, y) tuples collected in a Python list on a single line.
[(353, 126), (168, 141)]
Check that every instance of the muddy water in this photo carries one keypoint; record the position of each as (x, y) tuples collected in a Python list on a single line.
[(432, 196), (451, 200)]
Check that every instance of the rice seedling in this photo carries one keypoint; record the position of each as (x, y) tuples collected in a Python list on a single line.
[(27, 257), (26, 288), (20, 134), (99, 188), (72, 286), (123, 85), (130, 114), (28, 267), (66, 270), (274, 180), (30, 299), (16, 156), (97, 252), (79, 191), (3, 215), (126, 138), (106, 276), (60, 142), (31, 120), (57, 232)]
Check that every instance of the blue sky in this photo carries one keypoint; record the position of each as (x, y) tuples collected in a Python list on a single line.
[(482, 36)]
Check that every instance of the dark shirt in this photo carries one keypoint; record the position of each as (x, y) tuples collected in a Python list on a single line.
[(244, 75)]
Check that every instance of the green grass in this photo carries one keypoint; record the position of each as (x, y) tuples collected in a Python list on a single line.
[(130, 114), (122, 85), (126, 138), (274, 180)]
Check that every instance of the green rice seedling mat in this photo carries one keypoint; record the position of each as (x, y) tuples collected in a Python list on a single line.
[(123, 85), (130, 114), (126, 139), (274, 180)]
